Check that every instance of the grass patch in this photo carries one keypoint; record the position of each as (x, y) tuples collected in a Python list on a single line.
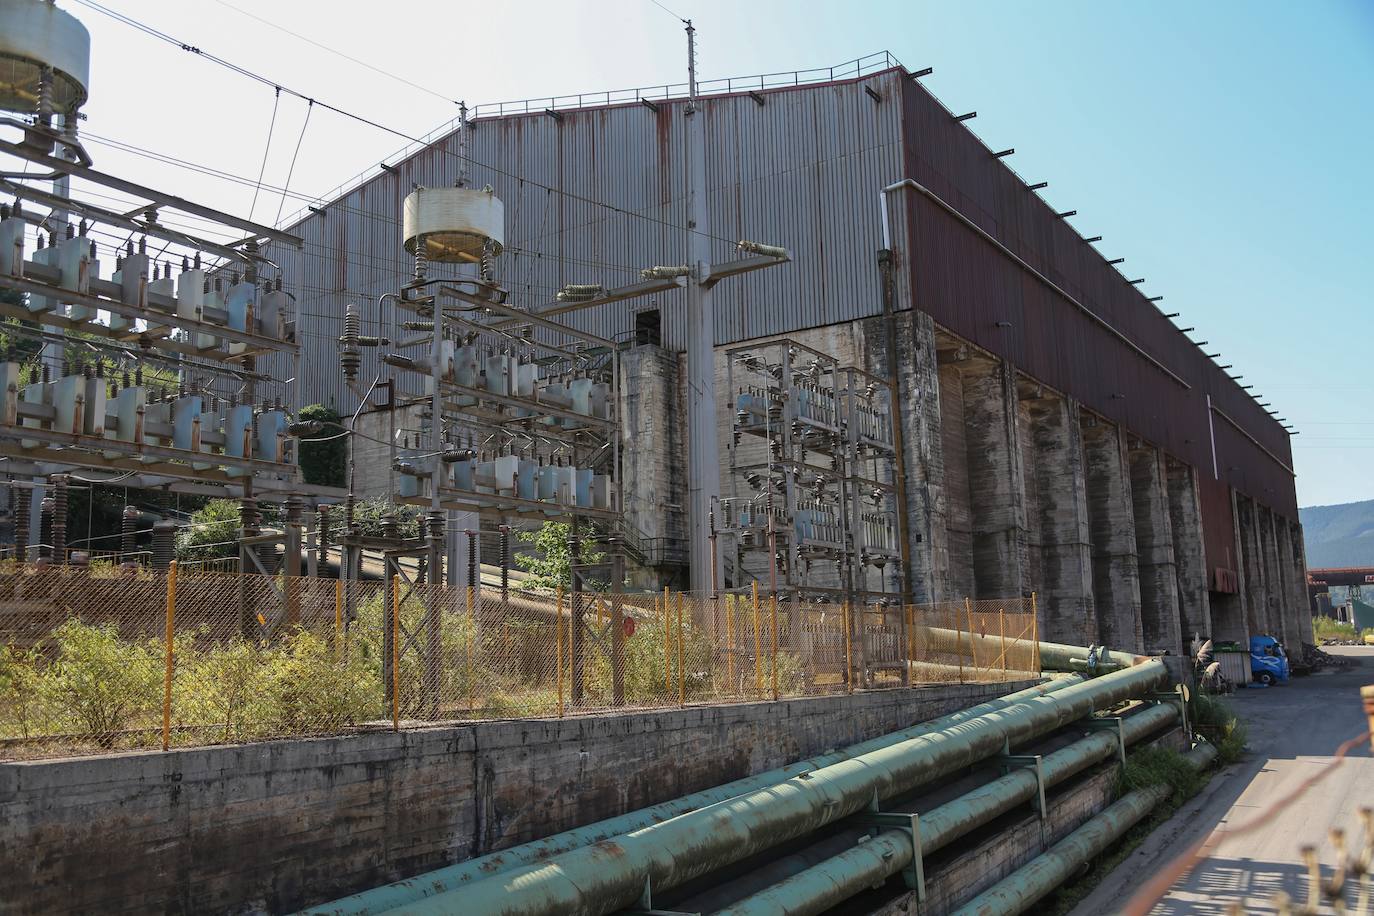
[(1330, 628), (1211, 717)]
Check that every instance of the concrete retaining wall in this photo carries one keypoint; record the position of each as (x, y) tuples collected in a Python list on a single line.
[(280, 825)]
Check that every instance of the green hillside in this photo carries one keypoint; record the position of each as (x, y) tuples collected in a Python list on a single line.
[(1339, 535)]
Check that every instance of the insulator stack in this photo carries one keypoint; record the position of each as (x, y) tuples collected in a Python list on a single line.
[(164, 542), (19, 499), (505, 561), (45, 528), (350, 357), (391, 526), (59, 518), (322, 526), (127, 523), (472, 559)]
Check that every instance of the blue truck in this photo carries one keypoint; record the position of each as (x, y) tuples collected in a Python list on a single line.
[(1268, 662)]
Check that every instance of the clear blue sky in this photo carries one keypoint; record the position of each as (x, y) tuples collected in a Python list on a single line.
[(1222, 148)]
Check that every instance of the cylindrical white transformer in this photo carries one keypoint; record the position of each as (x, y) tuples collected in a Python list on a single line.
[(33, 35), (456, 223)]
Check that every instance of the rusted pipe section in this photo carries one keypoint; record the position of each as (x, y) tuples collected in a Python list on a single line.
[(453, 877), (833, 881), (1020, 890), (614, 874)]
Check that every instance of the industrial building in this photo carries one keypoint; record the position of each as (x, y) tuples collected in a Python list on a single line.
[(1059, 434)]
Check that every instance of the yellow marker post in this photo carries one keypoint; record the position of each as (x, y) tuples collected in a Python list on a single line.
[(681, 680), (773, 625), (758, 643), (558, 650), (848, 651), (396, 653), (167, 677)]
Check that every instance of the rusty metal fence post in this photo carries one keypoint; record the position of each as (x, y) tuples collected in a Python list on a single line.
[(558, 646), (169, 651), (758, 643), (848, 651), (773, 626), (681, 681), (395, 652)]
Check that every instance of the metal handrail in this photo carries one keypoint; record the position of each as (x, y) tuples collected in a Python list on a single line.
[(850, 69)]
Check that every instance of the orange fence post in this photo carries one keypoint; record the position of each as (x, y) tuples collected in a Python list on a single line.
[(472, 637), (730, 643), (1035, 635), (167, 677), (681, 682), (396, 653), (558, 647), (848, 651), (338, 619), (1002, 628), (667, 644), (773, 625), (758, 642)]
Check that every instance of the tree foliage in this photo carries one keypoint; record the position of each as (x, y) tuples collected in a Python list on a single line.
[(550, 565), (324, 461)]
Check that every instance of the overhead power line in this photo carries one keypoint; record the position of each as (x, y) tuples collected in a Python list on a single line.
[(257, 77), (337, 53)]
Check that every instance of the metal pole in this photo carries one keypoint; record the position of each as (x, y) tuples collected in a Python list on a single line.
[(758, 643), (558, 646), (773, 619), (617, 624), (681, 681), (396, 652), (575, 621), (848, 652), (703, 462)]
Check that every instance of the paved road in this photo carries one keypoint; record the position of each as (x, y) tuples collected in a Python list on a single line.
[(1293, 731)]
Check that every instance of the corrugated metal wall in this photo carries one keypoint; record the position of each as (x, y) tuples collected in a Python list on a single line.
[(969, 287), (801, 169)]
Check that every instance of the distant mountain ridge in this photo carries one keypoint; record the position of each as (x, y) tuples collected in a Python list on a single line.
[(1339, 535)]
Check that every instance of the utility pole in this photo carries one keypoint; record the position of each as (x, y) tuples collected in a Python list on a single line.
[(703, 467)]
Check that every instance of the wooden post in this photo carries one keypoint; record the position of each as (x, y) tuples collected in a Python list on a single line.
[(167, 676)]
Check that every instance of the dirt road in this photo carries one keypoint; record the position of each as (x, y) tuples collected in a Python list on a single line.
[(1293, 731)]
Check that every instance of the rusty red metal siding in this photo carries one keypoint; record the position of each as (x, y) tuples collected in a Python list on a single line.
[(971, 288)]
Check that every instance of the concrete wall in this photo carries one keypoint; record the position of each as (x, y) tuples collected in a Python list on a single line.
[(281, 825)]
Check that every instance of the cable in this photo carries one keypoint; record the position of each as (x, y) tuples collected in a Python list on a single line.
[(669, 12), (262, 170), (249, 74), (337, 53), (292, 170)]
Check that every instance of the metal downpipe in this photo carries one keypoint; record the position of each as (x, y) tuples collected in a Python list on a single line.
[(614, 874), (1020, 890), (872, 861), (451, 877)]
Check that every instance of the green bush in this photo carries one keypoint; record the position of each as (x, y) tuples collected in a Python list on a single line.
[(1214, 718), (1331, 628), (102, 684), (213, 533), (324, 455)]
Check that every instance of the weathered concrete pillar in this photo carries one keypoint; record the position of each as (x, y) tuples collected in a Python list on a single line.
[(1154, 542), (1255, 579), (996, 494), (1289, 607), (958, 515), (1299, 560), (1269, 557), (923, 454), (1190, 561), (1111, 515), (652, 472), (1055, 473), (1231, 611)]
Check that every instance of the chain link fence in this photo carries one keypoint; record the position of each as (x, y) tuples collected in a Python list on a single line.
[(112, 657)]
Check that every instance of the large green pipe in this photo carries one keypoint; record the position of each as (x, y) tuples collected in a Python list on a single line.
[(833, 881), (1053, 656), (1020, 890), (614, 874), (400, 893)]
